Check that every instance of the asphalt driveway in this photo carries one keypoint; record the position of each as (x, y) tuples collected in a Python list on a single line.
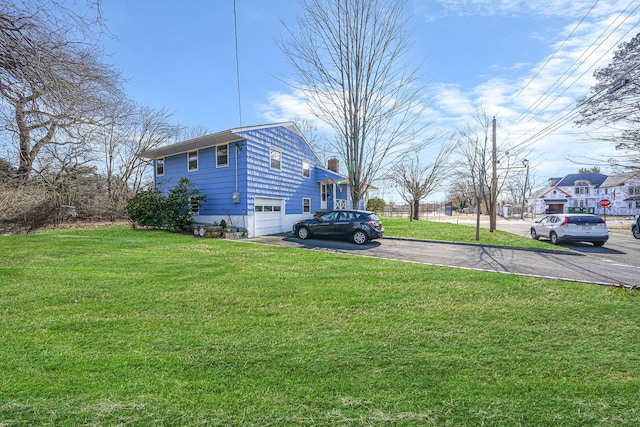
[(576, 266)]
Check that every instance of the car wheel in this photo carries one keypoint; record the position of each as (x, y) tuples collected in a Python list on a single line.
[(534, 235), (636, 232), (303, 233), (359, 237), (598, 244), (554, 238)]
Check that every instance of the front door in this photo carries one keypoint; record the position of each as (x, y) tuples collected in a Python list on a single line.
[(323, 196)]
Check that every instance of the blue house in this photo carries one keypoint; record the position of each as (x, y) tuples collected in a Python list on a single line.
[(260, 178)]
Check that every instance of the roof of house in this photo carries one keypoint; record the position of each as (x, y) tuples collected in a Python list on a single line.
[(224, 137), (540, 194), (594, 178), (618, 179)]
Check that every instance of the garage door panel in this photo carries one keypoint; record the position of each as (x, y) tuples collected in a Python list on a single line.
[(268, 216)]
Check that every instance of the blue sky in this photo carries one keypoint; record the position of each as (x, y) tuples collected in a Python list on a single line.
[(181, 55)]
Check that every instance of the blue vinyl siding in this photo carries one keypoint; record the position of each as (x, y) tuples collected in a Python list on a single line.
[(254, 174), (287, 184), (217, 184)]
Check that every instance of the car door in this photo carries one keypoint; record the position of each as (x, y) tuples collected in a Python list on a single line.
[(552, 225), (343, 226), (326, 224), (542, 227)]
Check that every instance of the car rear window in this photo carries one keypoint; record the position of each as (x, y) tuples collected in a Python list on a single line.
[(368, 217), (579, 220)]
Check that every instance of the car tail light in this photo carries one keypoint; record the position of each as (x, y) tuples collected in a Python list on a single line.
[(372, 224), (565, 222)]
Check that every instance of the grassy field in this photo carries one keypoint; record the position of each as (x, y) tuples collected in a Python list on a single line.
[(435, 230), (123, 327)]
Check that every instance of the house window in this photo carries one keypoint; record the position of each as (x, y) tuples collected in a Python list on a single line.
[(306, 205), (306, 169), (160, 167), (634, 191), (582, 190), (323, 191), (222, 155), (194, 205), (193, 160), (276, 159)]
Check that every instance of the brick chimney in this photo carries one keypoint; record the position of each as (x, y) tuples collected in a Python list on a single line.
[(333, 164)]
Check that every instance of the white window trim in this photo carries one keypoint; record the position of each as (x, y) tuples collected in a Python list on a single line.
[(191, 203), (271, 151), (228, 152), (164, 165), (308, 169), (303, 199), (197, 161)]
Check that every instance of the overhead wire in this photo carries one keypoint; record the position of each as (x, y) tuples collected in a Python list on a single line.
[(571, 115), (235, 33), (581, 60), (564, 120), (557, 50)]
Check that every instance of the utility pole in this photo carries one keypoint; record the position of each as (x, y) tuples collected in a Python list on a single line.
[(494, 182), (525, 162)]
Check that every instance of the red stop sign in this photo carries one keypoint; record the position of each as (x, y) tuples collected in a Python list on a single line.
[(605, 203)]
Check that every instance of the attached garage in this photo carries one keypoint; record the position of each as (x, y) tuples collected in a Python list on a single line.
[(269, 215)]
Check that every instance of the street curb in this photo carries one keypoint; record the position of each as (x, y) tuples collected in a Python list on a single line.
[(548, 251)]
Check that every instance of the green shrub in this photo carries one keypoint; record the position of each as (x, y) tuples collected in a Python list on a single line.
[(376, 204), (150, 208)]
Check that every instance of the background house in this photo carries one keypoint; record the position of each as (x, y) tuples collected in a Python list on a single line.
[(623, 191), (582, 193), (574, 193), (260, 178)]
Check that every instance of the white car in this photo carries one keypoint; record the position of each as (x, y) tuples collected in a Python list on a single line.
[(571, 228)]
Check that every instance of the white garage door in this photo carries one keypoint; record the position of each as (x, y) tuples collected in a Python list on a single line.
[(268, 216)]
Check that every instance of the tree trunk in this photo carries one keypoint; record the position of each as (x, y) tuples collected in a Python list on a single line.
[(416, 210), (478, 201)]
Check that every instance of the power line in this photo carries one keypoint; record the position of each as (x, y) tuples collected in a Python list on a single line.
[(572, 114), (567, 118), (579, 61), (557, 50), (235, 33)]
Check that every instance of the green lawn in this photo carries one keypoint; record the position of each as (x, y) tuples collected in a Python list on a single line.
[(123, 327), (435, 230)]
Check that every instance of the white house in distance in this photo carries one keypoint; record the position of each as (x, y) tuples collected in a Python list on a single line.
[(623, 191), (583, 193)]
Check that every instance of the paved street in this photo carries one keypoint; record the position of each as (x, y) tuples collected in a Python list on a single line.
[(614, 264)]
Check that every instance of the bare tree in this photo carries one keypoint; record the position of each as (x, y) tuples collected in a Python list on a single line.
[(415, 180), (348, 58), (476, 159), (53, 87), (311, 134), (131, 129), (612, 104), (187, 132)]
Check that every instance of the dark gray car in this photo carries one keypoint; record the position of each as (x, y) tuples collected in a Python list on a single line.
[(354, 225)]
